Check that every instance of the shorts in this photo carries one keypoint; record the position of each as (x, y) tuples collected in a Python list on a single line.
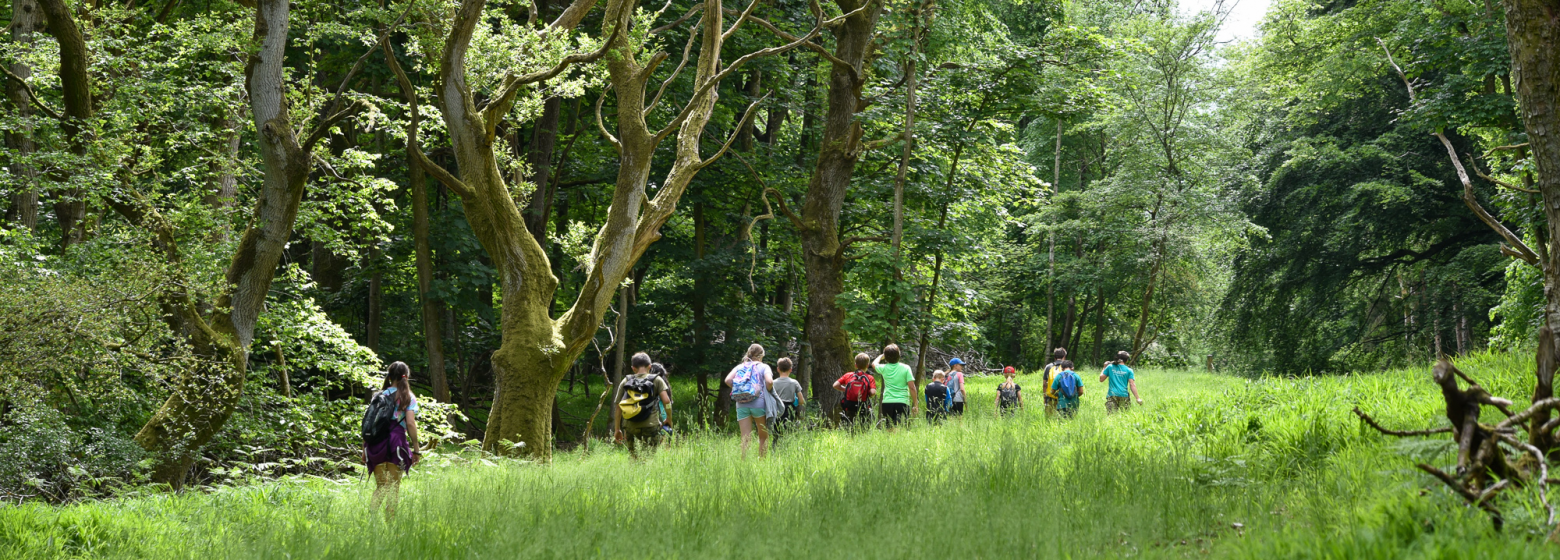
[(745, 412), (956, 408), (649, 436), (851, 412), (1115, 404), (894, 413)]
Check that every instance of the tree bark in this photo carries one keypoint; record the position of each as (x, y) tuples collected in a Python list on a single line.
[(1148, 299), (372, 324), (25, 19), (432, 308), (76, 88), (819, 226), (1533, 39)]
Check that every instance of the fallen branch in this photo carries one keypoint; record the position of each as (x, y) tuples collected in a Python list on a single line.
[(1495, 516), (1398, 433)]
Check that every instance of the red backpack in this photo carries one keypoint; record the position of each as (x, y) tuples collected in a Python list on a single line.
[(859, 386)]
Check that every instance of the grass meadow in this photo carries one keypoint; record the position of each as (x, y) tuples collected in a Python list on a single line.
[(1210, 466)]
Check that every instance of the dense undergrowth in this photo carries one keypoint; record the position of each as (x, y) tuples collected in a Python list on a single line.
[(1213, 465)]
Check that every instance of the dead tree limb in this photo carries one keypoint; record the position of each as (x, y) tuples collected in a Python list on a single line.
[(1398, 433)]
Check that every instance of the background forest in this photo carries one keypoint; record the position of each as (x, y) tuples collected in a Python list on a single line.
[(223, 219)]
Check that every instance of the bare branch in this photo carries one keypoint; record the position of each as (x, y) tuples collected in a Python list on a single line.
[(734, 26), (323, 128), (1520, 417), (853, 240), (413, 150), (31, 94), (815, 47), (694, 10), (1399, 433), (1469, 199), (780, 199), (688, 48), (573, 15), (747, 117), (1511, 147), (1476, 171), (602, 126), (1543, 472)]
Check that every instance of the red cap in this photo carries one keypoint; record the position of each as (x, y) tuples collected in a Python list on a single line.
[(1008, 369)]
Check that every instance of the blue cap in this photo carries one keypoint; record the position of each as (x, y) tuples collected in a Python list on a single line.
[(955, 362)]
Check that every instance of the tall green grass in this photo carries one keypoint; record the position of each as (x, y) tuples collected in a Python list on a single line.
[(1211, 465)]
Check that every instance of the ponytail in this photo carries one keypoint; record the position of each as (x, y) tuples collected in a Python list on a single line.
[(395, 376)]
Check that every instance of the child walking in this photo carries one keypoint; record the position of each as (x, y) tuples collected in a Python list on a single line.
[(1010, 396), (1121, 381), (789, 391), (1068, 388), (937, 397), (858, 387)]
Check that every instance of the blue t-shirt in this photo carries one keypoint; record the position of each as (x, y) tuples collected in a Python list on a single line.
[(1119, 375), (399, 414), (1056, 388)]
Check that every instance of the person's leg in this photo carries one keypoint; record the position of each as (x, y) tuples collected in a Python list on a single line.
[(745, 425), (387, 478), (633, 442), (763, 436), (381, 482)]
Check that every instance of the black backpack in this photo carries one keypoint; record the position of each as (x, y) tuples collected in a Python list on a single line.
[(639, 397), (379, 419), (1008, 394)]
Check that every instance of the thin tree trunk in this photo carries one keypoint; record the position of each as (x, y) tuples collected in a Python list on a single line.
[(931, 295), (1148, 298), (375, 300), (76, 85), (899, 191), (432, 308), (620, 353), (544, 138), (1099, 325), (26, 18)]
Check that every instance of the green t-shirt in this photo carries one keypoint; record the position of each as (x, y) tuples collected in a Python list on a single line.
[(896, 382), (1119, 375)]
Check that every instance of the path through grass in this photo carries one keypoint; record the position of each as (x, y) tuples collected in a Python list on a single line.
[(1211, 466)]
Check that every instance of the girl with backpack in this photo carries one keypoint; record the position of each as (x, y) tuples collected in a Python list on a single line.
[(392, 457), (750, 384), (1010, 396)]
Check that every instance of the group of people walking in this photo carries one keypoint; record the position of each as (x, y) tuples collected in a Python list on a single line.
[(767, 401)]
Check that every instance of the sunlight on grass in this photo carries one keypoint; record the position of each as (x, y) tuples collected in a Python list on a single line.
[(1217, 464)]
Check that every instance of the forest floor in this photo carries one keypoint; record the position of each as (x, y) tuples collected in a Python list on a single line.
[(1212, 465)]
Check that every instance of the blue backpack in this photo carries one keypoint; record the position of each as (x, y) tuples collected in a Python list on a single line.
[(746, 384), (1067, 385)]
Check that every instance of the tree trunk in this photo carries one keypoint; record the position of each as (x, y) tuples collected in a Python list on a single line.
[(76, 86), (25, 19), (223, 193), (908, 140), (931, 294), (432, 308), (818, 226), (1099, 325), (1148, 299), (544, 138), (1533, 38), (371, 326), (201, 401), (619, 355)]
